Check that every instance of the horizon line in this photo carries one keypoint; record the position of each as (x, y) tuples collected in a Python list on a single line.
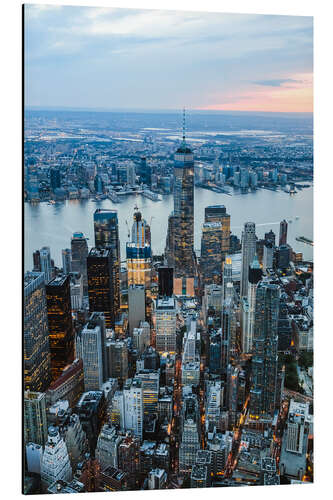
[(156, 110)]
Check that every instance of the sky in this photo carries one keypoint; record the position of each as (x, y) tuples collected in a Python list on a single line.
[(88, 57)]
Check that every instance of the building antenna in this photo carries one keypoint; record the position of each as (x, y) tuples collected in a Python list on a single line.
[(184, 125)]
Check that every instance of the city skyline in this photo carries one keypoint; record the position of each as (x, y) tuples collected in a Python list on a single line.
[(254, 62)]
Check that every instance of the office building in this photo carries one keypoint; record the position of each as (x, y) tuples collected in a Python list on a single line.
[(100, 284), (184, 257), (61, 335), (76, 441), (157, 479), (270, 236), (117, 360), (91, 343), (133, 406), (268, 256), (107, 236), (35, 423), (211, 253), (265, 343), (36, 261), (37, 357), (295, 441), (283, 232), (283, 257), (34, 455), (150, 383), (136, 306), (45, 263), (141, 337), (199, 476), (76, 288), (79, 248), (218, 213), (165, 317), (55, 179), (107, 447), (55, 462), (91, 410), (66, 260)]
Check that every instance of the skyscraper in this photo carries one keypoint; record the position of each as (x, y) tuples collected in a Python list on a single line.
[(117, 359), (91, 345), (79, 247), (37, 357), (107, 236), (283, 232), (248, 253), (249, 303), (265, 343), (136, 306), (61, 334), (138, 253), (184, 257), (100, 284), (227, 277), (165, 315), (211, 253), (45, 263), (66, 260), (218, 213)]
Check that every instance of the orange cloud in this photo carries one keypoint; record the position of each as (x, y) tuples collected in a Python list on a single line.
[(295, 95)]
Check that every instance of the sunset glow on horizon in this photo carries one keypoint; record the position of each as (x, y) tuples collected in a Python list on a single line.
[(153, 59)]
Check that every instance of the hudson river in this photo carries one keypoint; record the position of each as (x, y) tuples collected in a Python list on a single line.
[(53, 225)]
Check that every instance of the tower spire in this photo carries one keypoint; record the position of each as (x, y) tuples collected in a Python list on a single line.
[(183, 125)]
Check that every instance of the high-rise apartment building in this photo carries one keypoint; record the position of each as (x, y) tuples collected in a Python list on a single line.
[(100, 284), (37, 357), (248, 253), (61, 335), (107, 236), (248, 306)]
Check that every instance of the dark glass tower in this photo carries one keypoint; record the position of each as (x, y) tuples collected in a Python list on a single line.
[(107, 236), (37, 358), (100, 283), (265, 344), (165, 281), (61, 335), (211, 253), (79, 247), (283, 232), (184, 258)]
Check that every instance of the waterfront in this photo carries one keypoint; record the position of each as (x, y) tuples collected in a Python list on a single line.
[(53, 225)]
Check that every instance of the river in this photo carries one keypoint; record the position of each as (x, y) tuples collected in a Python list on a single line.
[(53, 225)]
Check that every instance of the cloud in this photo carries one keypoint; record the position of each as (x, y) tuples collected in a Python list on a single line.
[(277, 82), (102, 57)]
